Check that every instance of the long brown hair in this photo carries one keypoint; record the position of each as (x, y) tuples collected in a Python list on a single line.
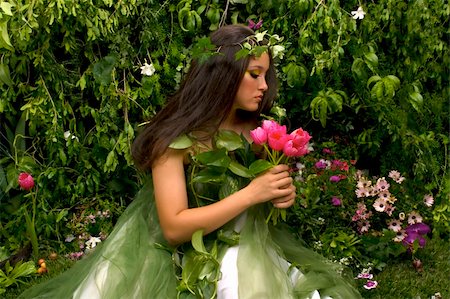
[(204, 99)]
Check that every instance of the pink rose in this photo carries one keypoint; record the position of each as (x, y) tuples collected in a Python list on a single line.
[(290, 150), (259, 136), (278, 138), (300, 138), (270, 125), (26, 181)]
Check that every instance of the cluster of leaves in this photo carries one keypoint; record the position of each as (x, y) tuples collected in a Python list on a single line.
[(72, 98)]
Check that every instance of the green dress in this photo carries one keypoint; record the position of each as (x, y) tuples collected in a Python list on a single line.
[(260, 261)]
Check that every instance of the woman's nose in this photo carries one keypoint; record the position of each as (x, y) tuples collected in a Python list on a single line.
[(262, 84)]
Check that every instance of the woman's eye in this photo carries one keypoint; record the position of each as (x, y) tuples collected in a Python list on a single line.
[(254, 75)]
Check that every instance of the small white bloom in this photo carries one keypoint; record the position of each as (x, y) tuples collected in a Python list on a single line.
[(260, 35), (358, 14), (278, 51), (68, 135), (148, 69), (92, 242), (428, 200)]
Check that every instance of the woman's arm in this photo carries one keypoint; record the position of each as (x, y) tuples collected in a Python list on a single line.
[(178, 222)]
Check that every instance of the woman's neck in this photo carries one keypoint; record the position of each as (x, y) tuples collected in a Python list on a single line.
[(239, 126)]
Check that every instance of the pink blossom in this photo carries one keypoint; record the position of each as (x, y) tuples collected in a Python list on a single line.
[(327, 151), (395, 225), (389, 209), (277, 138), (414, 218), (364, 276), (271, 125), (370, 284), (364, 227), (253, 25), (380, 204), (335, 178), (259, 136), (300, 138), (321, 164), (26, 181), (428, 200), (382, 185), (336, 201), (290, 150)]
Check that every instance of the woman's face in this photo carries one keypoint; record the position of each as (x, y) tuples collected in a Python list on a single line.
[(253, 84)]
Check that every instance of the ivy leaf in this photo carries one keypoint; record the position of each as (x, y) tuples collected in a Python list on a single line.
[(259, 166), (217, 158), (228, 140), (197, 241), (181, 142), (239, 169), (210, 175)]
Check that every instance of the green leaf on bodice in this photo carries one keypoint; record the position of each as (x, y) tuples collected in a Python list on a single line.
[(229, 140), (181, 142)]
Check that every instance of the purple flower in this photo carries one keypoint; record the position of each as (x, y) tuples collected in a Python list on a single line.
[(419, 228), (413, 236), (336, 201), (321, 164), (252, 25), (365, 276), (370, 284), (335, 178)]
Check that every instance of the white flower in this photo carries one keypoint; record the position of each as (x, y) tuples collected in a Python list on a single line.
[(148, 69), (278, 51), (92, 242), (68, 135), (358, 14), (428, 200)]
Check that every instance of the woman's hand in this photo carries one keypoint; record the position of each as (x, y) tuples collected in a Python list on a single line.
[(275, 185)]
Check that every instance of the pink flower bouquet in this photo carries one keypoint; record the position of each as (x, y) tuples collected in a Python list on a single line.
[(279, 147)]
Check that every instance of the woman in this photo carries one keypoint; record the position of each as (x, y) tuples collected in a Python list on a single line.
[(142, 256)]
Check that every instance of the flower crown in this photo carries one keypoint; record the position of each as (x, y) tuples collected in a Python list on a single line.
[(253, 45)]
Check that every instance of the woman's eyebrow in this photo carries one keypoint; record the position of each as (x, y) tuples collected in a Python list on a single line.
[(257, 66)]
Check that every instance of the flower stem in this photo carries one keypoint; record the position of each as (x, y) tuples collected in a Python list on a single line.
[(32, 232)]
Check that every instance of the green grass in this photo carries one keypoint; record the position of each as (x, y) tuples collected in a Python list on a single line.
[(398, 280), (401, 280)]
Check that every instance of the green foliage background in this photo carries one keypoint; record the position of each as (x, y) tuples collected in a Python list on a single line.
[(378, 86)]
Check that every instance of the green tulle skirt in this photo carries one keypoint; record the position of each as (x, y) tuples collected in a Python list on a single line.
[(134, 262)]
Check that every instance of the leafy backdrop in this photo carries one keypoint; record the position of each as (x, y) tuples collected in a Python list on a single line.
[(73, 97)]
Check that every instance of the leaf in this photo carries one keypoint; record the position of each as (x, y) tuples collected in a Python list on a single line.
[(6, 7), (197, 241), (4, 75), (228, 140), (371, 60), (210, 175), (181, 142), (228, 187), (416, 100), (5, 42), (217, 158), (358, 67), (373, 79), (259, 166), (103, 69), (239, 169)]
